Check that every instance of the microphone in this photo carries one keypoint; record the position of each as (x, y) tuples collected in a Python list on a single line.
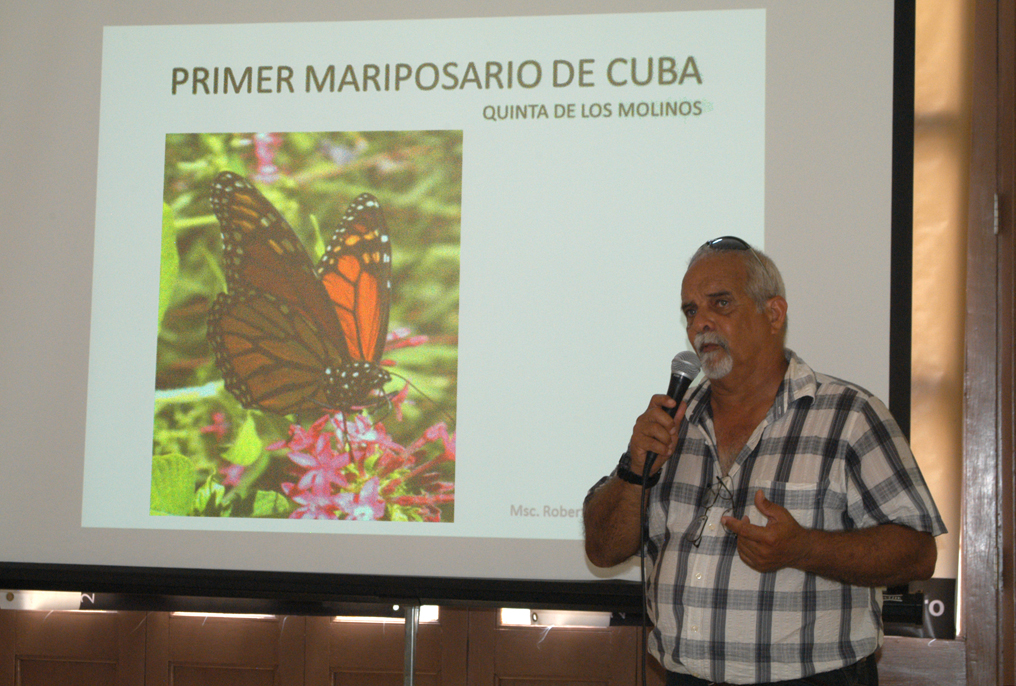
[(683, 369)]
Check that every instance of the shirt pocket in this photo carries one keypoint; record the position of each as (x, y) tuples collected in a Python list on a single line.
[(812, 505)]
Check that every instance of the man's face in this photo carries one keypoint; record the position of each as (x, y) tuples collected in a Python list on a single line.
[(724, 324)]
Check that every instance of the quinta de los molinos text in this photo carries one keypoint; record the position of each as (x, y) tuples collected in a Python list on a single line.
[(620, 71), (667, 108)]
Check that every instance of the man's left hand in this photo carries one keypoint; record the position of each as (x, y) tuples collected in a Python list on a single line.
[(779, 543)]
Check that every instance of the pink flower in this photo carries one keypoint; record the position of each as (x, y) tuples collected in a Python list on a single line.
[(358, 430), (338, 448), (324, 468), (438, 432), (265, 147), (400, 338), (363, 506), (312, 450), (232, 474), (389, 462), (449, 444), (311, 506), (219, 425), (301, 438)]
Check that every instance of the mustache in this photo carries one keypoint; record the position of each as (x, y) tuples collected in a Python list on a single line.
[(710, 338)]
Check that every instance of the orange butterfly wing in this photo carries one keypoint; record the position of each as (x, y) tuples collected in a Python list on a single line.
[(356, 273), (286, 337)]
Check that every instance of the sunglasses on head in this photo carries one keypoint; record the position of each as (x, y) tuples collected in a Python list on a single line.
[(732, 243)]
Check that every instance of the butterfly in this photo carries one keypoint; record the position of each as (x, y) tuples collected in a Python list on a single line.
[(289, 336)]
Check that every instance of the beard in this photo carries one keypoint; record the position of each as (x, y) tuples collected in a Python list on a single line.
[(716, 364)]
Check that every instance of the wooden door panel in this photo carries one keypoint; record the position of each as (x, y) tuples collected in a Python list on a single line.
[(42, 648), (200, 675), (368, 653), (195, 650), (38, 672)]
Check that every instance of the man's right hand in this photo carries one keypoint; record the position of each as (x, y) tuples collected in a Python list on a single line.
[(655, 432)]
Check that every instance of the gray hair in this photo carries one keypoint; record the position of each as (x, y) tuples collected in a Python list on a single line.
[(764, 280)]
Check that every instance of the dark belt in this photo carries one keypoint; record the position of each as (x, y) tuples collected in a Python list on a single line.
[(863, 673)]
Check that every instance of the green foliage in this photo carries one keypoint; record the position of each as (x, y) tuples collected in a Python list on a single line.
[(270, 504), (172, 485), (247, 447), (169, 262)]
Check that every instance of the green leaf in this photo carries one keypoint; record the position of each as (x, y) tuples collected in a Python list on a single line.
[(170, 263), (250, 475), (270, 504), (172, 485), (248, 446), (318, 249), (208, 499)]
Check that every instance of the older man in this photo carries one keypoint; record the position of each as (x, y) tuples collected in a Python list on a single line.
[(788, 500)]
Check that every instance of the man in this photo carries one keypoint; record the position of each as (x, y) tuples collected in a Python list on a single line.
[(788, 500)]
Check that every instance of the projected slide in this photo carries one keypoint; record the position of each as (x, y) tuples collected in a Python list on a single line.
[(401, 278), (319, 343)]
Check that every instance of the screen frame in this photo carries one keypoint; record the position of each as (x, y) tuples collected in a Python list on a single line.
[(155, 588)]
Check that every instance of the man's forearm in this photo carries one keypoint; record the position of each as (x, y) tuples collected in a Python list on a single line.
[(611, 519), (884, 555)]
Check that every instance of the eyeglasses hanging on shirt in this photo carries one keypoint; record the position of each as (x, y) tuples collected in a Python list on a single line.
[(718, 492)]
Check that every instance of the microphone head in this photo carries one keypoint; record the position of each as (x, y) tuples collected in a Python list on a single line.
[(685, 364)]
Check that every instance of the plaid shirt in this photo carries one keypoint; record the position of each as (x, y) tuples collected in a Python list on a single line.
[(831, 454)]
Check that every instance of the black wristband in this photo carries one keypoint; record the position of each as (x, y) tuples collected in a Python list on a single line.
[(624, 473)]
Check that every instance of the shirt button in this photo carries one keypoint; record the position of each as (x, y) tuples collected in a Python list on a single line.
[(698, 576), (694, 628)]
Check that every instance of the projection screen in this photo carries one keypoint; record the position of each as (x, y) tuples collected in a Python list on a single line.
[(199, 299)]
